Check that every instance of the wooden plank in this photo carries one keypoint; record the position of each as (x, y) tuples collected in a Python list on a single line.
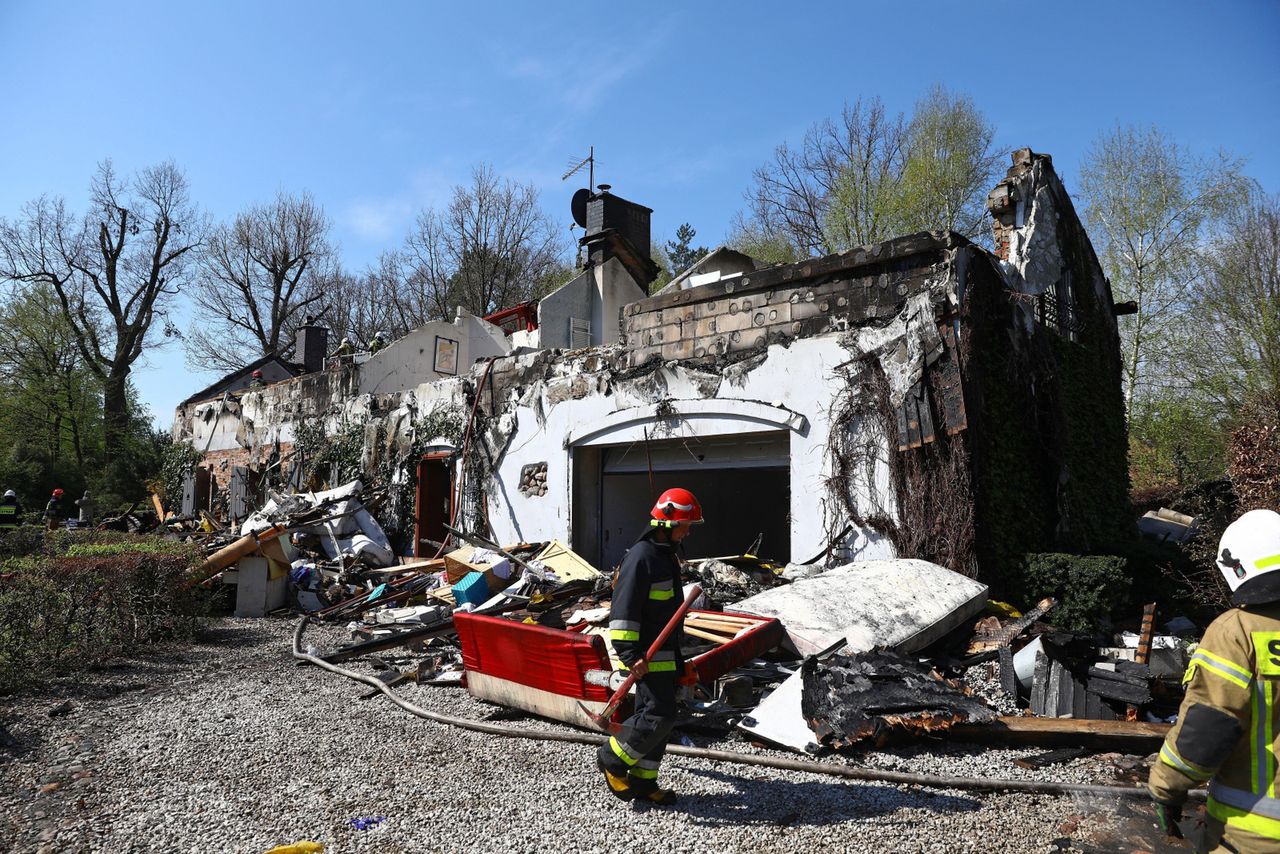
[(697, 633), (1123, 736), (1144, 638), (1122, 691), (1066, 696), (1053, 694), (1039, 683), (1008, 678)]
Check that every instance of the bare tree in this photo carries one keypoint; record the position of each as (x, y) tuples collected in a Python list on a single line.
[(491, 248), (1150, 204), (870, 176), (259, 277), (359, 306), (831, 192), (112, 271)]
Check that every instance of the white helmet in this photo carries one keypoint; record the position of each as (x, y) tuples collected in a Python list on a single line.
[(9, 493), (1249, 555)]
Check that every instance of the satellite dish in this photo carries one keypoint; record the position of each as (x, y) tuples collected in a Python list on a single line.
[(578, 205)]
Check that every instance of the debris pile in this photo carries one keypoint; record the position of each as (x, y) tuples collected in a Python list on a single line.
[(805, 657)]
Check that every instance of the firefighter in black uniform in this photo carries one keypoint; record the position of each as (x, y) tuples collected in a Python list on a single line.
[(645, 598), (10, 510)]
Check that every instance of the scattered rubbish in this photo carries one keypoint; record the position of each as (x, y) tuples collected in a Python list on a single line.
[(303, 847), (365, 823), (1168, 526)]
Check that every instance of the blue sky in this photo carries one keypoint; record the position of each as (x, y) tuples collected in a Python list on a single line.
[(378, 109)]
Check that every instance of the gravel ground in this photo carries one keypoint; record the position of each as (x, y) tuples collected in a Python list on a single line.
[(229, 745)]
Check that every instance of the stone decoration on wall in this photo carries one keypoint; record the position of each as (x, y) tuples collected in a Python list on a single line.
[(533, 480)]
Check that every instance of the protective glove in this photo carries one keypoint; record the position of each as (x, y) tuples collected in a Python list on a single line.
[(1168, 816)]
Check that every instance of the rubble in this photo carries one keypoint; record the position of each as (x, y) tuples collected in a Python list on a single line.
[(853, 700)]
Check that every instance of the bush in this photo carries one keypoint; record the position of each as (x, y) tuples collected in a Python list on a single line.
[(1088, 587), (72, 602)]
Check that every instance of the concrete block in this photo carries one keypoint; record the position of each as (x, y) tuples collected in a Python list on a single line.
[(733, 322), (678, 350)]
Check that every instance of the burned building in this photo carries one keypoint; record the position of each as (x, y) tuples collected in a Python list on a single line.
[(920, 397)]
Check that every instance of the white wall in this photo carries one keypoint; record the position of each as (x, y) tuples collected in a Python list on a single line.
[(596, 295), (800, 380), (410, 360)]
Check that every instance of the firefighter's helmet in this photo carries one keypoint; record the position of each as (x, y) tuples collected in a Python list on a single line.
[(1249, 555), (674, 506)]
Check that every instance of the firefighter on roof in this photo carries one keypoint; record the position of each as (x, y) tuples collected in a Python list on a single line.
[(1228, 724)]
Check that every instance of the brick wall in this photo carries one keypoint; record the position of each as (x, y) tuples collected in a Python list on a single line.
[(782, 303)]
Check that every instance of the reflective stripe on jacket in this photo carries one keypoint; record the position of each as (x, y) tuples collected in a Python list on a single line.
[(9, 515), (1228, 723), (645, 598)]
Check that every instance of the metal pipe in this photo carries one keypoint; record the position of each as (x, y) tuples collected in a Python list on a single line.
[(808, 766)]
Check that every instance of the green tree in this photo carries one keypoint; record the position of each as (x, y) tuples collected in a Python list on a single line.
[(1233, 356), (949, 166), (1150, 205), (870, 176), (681, 254)]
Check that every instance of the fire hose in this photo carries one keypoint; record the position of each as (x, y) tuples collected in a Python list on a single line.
[(809, 766)]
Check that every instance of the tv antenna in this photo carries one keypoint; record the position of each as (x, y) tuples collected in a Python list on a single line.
[(575, 166)]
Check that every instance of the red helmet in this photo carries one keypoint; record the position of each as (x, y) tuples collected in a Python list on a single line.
[(257, 374), (676, 505), (57, 493)]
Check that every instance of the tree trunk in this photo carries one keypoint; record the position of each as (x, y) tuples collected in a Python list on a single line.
[(115, 413)]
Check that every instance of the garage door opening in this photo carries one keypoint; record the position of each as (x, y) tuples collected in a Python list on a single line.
[(743, 483)]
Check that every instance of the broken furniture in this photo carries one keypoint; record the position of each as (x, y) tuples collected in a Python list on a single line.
[(549, 671), (258, 593)]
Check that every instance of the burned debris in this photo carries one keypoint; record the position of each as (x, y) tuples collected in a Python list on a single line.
[(867, 698)]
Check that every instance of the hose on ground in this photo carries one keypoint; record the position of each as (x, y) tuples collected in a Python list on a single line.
[(848, 772)]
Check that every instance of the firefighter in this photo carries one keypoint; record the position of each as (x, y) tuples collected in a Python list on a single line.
[(646, 597), (255, 380), (10, 510), (1228, 726), (53, 511)]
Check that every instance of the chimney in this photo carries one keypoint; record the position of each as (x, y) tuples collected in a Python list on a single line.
[(310, 346), (617, 228)]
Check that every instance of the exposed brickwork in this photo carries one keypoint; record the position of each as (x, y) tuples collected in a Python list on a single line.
[(221, 463), (783, 303)]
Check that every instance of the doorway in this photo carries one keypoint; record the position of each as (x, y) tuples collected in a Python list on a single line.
[(433, 506)]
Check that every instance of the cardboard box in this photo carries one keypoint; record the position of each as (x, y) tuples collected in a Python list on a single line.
[(456, 568)]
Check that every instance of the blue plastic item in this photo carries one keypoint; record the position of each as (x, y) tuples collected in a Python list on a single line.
[(473, 588)]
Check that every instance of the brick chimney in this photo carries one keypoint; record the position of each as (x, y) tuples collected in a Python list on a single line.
[(311, 345), (617, 228)]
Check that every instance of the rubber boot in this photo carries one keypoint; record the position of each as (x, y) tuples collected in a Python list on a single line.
[(616, 782), (652, 794)]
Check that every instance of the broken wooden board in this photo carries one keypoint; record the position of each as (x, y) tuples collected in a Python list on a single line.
[(1123, 736)]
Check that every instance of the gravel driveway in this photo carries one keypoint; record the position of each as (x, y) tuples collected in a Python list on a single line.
[(229, 745)]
